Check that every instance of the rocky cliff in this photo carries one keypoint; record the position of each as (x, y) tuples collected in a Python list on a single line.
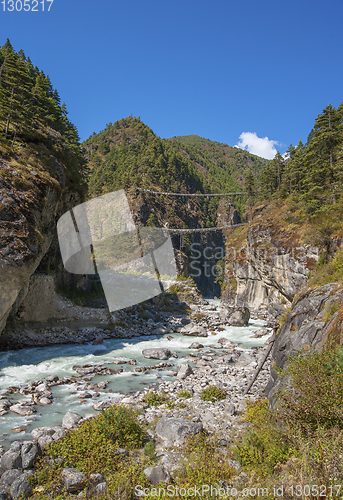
[(266, 263), (315, 321), (31, 200)]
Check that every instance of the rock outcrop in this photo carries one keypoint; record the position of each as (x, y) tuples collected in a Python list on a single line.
[(315, 320), (31, 202), (266, 264)]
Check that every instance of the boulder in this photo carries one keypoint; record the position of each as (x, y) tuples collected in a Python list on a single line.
[(194, 330), (238, 316), (184, 371), (98, 340), (100, 488), (21, 488), (176, 430), (101, 405), (156, 353), (244, 360), (4, 494), (261, 332), (10, 476), (157, 474), (195, 345), (73, 479), (70, 420), (11, 460), (308, 327), (45, 401), (23, 410), (29, 454), (44, 441)]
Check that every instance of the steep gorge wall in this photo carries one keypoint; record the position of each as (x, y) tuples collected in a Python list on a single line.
[(266, 265), (31, 201)]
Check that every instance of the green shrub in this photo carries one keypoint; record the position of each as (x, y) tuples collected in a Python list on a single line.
[(154, 399), (119, 424), (263, 445), (213, 393), (316, 395), (149, 450), (92, 446), (184, 393), (203, 464)]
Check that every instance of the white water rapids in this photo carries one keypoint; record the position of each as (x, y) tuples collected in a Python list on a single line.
[(35, 363)]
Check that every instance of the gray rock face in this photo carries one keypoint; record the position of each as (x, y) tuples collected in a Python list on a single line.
[(73, 479), (305, 329), (157, 474), (10, 476), (184, 371), (29, 454), (21, 488), (4, 494), (100, 488), (176, 430), (70, 420), (11, 460), (269, 270), (27, 219), (157, 353)]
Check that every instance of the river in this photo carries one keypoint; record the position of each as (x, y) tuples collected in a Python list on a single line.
[(35, 363)]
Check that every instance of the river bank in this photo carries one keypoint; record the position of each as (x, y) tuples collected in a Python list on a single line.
[(86, 375)]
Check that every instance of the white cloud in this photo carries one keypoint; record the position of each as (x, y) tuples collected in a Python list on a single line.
[(260, 146)]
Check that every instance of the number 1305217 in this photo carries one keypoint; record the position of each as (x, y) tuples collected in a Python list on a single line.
[(26, 5)]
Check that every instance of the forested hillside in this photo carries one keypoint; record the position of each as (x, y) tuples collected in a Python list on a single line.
[(32, 115), (128, 155), (312, 173), (224, 166)]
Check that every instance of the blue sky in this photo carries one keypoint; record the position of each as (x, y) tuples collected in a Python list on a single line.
[(216, 69)]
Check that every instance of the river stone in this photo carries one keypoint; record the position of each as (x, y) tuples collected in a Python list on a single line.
[(101, 405), (98, 340), (260, 333), (157, 474), (70, 420), (176, 430), (244, 360), (195, 345), (156, 353), (4, 494), (22, 410), (10, 476), (194, 330), (29, 454), (52, 378), (44, 431), (45, 401), (16, 446), (43, 387), (74, 480), (21, 487), (11, 460), (240, 317), (184, 371)]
